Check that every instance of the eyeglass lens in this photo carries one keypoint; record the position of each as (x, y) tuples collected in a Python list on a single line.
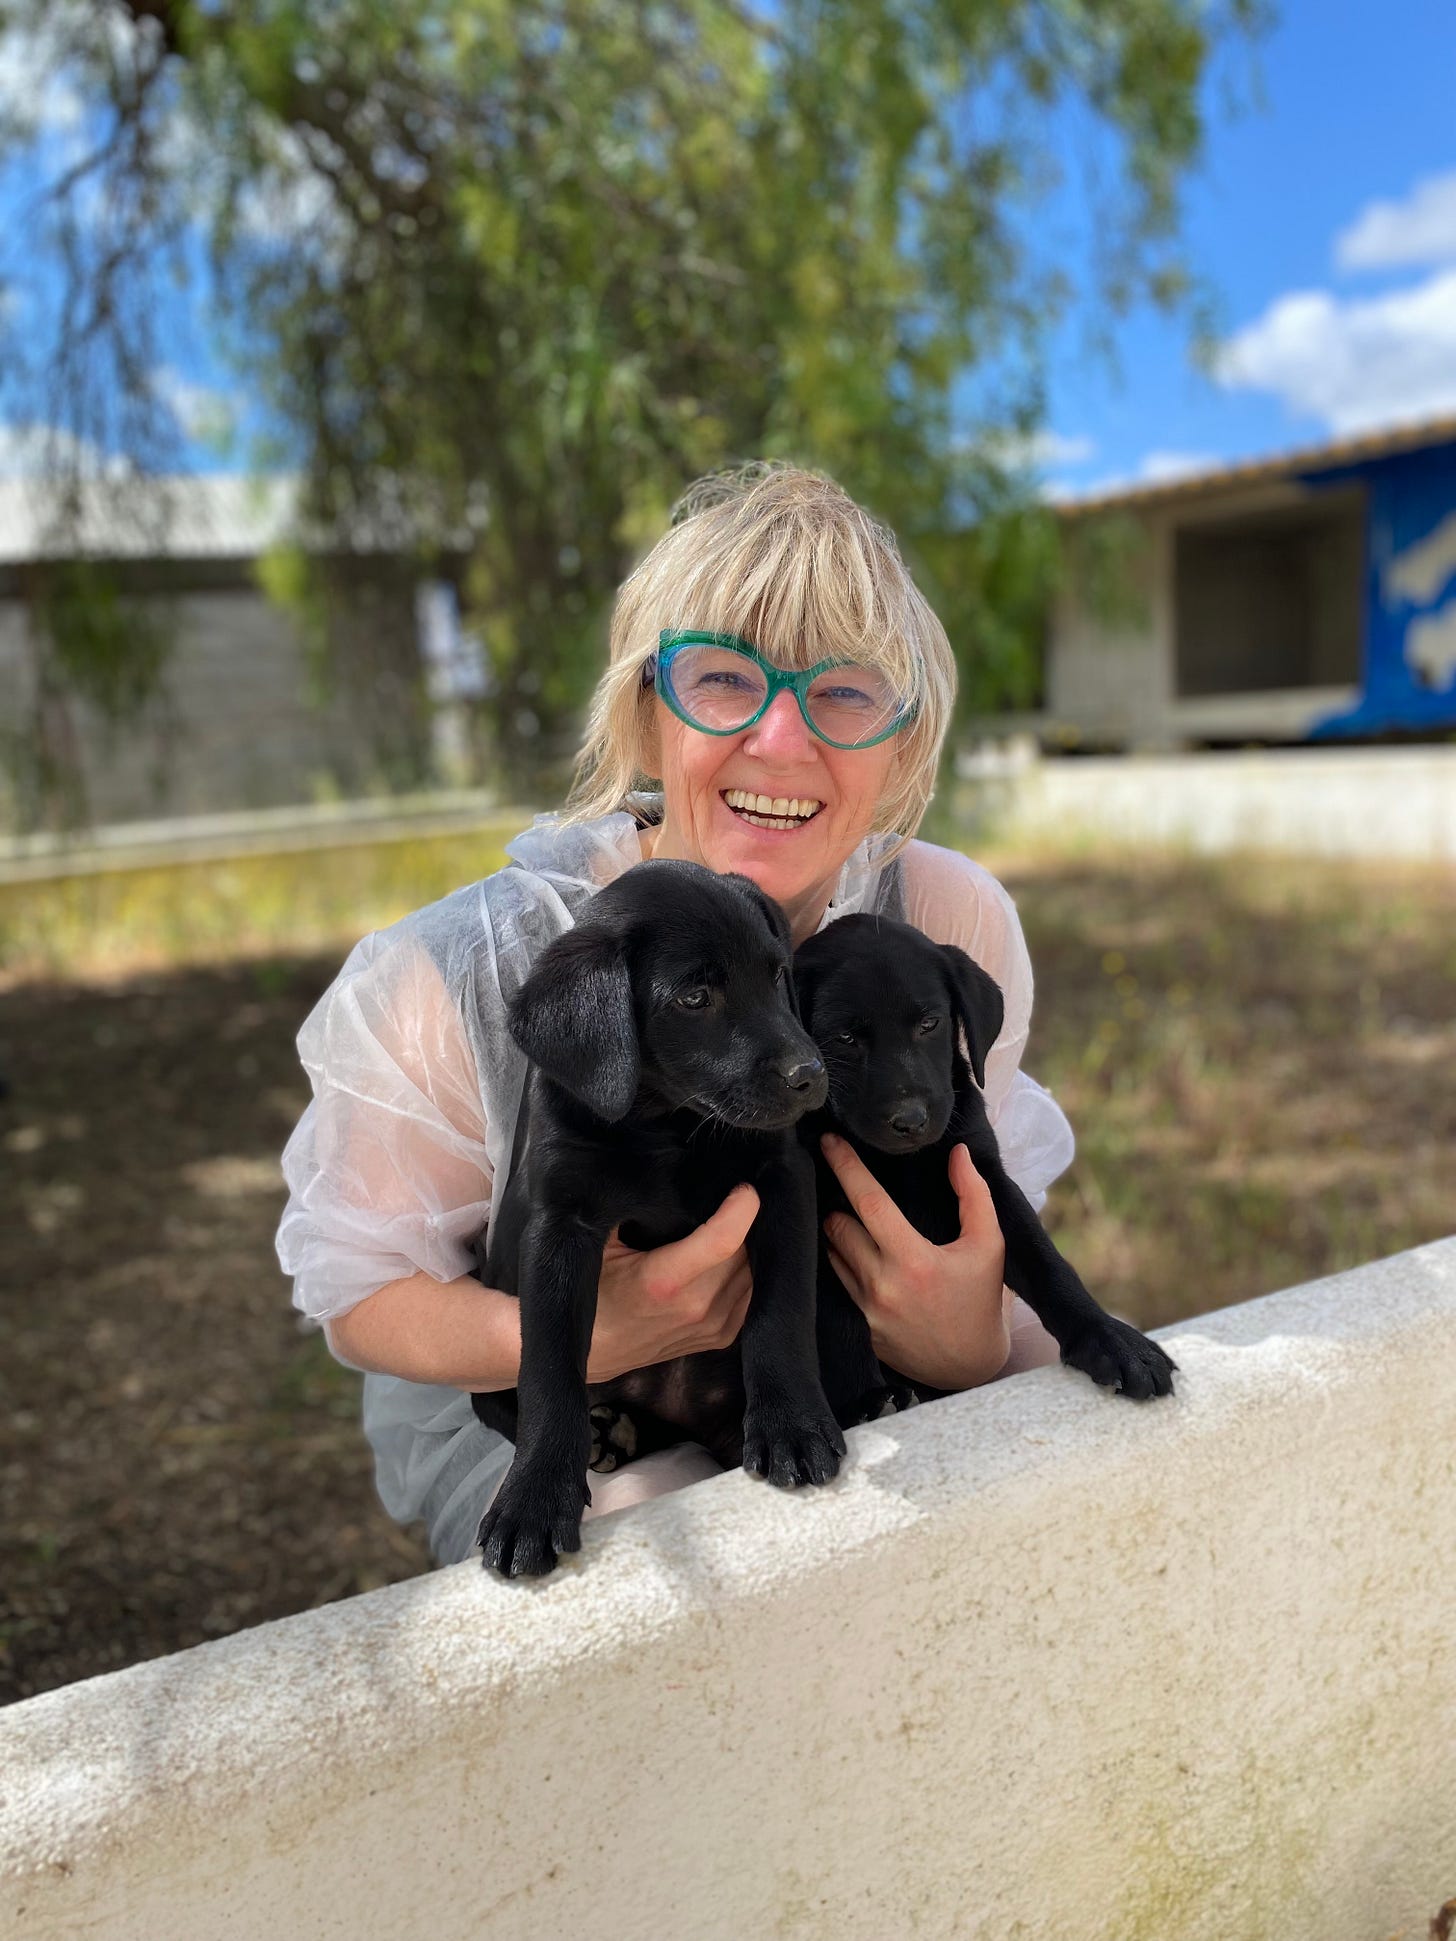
[(722, 690)]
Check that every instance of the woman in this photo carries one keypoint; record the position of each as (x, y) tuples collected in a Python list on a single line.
[(813, 788)]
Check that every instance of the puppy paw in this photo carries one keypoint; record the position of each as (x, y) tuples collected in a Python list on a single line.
[(792, 1445), (885, 1398), (1117, 1356), (899, 1396), (613, 1438), (532, 1521)]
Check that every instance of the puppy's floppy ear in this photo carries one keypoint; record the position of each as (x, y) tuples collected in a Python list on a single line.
[(809, 967), (574, 1018), (776, 919), (978, 1003)]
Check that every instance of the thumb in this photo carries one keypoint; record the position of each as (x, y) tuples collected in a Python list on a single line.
[(978, 1212), (719, 1237)]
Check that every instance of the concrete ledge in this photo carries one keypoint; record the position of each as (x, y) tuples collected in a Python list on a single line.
[(123, 846), (1377, 802), (1041, 1663)]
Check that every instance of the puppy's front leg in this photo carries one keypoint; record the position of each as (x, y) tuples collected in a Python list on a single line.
[(789, 1431), (1114, 1353), (537, 1510)]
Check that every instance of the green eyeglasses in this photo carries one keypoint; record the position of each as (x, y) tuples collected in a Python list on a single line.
[(721, 685)]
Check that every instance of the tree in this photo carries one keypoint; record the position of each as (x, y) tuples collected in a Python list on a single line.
[(511, 271)]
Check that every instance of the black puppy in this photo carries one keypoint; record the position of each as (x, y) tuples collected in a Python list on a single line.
[(886, 1007), (668, 1065)]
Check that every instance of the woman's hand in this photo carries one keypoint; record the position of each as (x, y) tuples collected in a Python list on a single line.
[(935, 1313), (675, 1300)]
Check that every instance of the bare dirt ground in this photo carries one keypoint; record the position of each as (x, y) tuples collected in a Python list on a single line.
[(1259, 1059)]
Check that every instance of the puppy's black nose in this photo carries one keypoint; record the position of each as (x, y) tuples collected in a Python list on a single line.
[(802, 1075), (912, 1116)]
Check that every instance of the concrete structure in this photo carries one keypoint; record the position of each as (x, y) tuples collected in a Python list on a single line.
[(1311, 595), (1375, 802), (246, 716), (1041, 1663)]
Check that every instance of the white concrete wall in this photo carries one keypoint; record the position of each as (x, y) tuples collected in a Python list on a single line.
[(1112, 678), (1319, 801), (1042, 1663)]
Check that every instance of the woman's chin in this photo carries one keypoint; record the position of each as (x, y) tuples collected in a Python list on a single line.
[(785, 863)]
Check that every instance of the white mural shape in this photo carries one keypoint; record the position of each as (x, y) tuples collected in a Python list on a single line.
[(1419, 573), (1430, 644)]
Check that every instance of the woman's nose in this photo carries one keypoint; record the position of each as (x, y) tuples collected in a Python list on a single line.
[(780, 734)]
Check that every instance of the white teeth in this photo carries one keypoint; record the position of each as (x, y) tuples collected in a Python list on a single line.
[(777, 807)]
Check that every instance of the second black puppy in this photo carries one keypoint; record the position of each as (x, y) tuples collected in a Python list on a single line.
[(668, 1065), (886, 1007)]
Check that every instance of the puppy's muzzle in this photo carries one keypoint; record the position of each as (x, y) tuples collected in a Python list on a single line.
[(804, 1080), (910, 1119), (899, 1125)]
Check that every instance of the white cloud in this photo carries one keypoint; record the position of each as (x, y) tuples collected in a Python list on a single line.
[(37, 93), (1353, 364), (1155, 468), (201, 412), (1044, 451), (287, 199), (1160, 468), (1421, 230), (41, 99)]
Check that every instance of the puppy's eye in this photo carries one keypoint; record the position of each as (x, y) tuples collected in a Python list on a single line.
[(844, 1037), (695, 1000), (930, 1022)]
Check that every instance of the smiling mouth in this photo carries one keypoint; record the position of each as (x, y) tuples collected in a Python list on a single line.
[(772, 811)]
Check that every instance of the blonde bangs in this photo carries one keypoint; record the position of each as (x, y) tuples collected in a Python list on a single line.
[(785, 559)]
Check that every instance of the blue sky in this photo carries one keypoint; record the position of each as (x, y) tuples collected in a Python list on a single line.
[(1339, 314), (1324, 220)]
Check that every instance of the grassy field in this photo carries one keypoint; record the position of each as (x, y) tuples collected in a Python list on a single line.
[(1259, 1058)]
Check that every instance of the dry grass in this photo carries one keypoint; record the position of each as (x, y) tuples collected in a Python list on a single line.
[(1259, 1059)]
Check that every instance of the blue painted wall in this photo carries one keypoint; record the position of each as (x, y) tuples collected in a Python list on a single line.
[(1410, 593)]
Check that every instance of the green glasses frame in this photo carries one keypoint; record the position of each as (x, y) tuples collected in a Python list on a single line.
[(672, 639)]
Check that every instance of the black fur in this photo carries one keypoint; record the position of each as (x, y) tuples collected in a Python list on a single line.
[(887, 1009), (668, 1065)]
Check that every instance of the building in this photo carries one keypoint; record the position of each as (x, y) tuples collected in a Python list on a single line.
[(248, 714), (1298, 598)]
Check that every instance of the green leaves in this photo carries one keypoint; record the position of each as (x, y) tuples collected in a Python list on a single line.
[(557, 256)]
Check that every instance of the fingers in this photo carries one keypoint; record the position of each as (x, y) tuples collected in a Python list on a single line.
[(878, 1213), (711, 1244), (849, 1280), (849, 1241), (978, 1211)]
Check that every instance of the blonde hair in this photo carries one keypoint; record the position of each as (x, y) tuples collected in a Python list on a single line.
[(783, 558)]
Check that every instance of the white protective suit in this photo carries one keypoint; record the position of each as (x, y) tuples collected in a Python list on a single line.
[(417, 1085)]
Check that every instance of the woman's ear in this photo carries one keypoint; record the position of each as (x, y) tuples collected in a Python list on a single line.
[(978, 1003), (573, 1017)]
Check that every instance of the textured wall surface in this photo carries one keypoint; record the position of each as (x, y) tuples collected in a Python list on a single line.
[(1042, 1663), (237, 728)]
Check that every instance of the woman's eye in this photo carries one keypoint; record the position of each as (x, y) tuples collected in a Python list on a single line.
[(721, 684), (930, 1022), (695, 1000)]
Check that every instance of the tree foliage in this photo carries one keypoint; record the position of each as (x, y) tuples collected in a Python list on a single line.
[(511, 271)]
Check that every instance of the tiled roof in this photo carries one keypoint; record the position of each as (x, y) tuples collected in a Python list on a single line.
[(1390, 439)]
